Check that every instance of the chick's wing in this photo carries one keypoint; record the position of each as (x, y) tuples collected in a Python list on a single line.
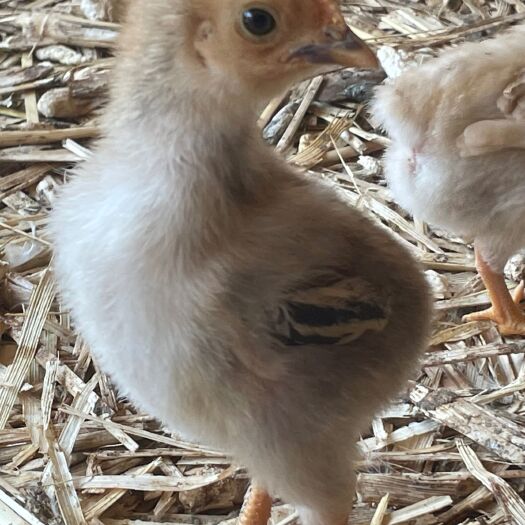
[(489, 136), (332, 309), (512, 101)]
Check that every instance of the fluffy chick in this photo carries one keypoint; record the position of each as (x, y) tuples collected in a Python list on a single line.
[(456, 162), (230, 296)]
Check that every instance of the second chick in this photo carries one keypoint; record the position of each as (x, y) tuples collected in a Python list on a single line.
[(448, 163)]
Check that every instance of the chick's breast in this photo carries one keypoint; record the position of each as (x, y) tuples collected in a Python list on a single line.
[(426, 110)]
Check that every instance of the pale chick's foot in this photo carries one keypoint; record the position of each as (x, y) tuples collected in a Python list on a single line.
[(257, 507), (489, 136), (510, 318)]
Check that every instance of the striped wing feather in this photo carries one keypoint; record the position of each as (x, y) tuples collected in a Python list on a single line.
[(333, 311)]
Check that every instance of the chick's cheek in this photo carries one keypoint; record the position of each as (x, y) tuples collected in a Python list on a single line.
[(266, 77)]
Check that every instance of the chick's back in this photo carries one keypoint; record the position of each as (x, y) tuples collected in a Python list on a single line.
[(426, 110), (327, 392), (435, 102)]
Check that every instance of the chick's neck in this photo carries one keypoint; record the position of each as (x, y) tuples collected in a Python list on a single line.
[(189, 133), (190, 167), (172, 129)]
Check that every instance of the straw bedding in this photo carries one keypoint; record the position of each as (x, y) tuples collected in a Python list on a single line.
[(451, 450)]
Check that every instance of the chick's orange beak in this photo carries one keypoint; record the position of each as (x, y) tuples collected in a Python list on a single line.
[(339, 47)]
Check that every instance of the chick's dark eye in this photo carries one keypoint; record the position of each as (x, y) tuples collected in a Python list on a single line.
[(258, 22)]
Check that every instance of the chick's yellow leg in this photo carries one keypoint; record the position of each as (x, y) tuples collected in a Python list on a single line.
[(505, 310), (257, 507)]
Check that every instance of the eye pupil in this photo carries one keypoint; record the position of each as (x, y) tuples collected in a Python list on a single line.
[(258, 21)]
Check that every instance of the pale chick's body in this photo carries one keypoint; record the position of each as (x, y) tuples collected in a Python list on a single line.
[(457, 161), (189, 253)]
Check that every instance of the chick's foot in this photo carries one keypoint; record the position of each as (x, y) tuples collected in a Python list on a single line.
[(257, 507), (512, 323), (505, 310)]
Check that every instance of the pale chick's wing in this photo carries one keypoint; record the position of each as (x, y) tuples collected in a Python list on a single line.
[(489, 136), (332, 309), (512, 101)]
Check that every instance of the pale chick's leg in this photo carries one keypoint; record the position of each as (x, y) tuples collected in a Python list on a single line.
[(489, 136), (505, 310), (257, 507)]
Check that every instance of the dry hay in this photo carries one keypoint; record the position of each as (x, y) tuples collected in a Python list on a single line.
[(451, 450)]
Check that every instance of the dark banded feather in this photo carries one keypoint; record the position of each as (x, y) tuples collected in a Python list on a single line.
[(334, 312)]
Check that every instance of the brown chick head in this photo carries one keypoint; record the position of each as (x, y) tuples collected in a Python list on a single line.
[(263, 46)]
